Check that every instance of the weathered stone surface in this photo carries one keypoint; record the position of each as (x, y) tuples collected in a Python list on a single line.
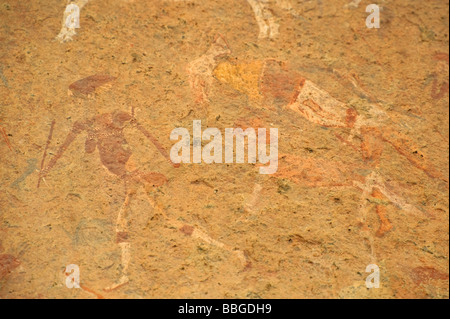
[(86, 177)]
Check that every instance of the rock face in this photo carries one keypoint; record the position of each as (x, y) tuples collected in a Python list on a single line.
[(361, 186)]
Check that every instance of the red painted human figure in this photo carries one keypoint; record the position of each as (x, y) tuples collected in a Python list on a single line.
[(105, 133)]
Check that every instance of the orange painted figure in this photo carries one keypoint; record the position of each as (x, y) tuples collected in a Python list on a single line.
[(5, 137), (272, 83), (104, 132)]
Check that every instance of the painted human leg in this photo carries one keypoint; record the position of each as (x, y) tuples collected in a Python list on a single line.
[(318, 106), (268, 27), (123, 243)]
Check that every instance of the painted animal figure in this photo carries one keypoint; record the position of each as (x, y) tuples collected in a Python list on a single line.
[(272, 83), (265, 18)]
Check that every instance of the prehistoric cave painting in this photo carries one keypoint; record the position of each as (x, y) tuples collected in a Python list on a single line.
[(267, 22), (105, 133), (272, 83), (5, 137), (31, 168), (376, 194), (375, 130), (9, 262)]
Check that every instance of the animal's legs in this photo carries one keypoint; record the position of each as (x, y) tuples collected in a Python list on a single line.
[(269, 17)]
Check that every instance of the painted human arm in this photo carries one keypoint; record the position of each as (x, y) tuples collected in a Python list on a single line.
[(77, 128), (154, 141)]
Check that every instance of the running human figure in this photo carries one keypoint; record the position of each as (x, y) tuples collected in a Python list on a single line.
[(105, 132)]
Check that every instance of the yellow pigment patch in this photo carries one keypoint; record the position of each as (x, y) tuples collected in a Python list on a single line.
[(243, 77)]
